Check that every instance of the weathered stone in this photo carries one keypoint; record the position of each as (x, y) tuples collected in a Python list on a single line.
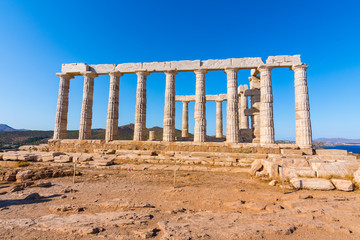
[(343, 185), (74, 68), (63, 159), (283, 60), (255, 166), (357, 176), (273, 183), (331, 152), (312, 183), (24, 175)]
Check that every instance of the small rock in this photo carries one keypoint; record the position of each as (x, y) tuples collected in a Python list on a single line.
[(17, 188), (273, 183), (304, 196), (32, 196), (42, 184)]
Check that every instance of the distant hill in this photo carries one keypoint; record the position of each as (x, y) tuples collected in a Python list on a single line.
[(20, 137), (4, 127), (337, 140)]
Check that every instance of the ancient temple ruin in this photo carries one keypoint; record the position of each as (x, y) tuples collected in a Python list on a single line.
[(238, 131)]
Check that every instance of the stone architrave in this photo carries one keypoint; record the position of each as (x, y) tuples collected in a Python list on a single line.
[(113, 107), (140, 108), (232, 124), (266, 107), (185, 119), (62, 106), (200, 105), (219, 119), (169, 109), (302, 107), (87, 104)]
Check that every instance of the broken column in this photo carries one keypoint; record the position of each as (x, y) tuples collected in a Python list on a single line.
[(302, 107), (232, 124), (200, 102), (87, 104), (266, 107), (169, 109), (62, 106), (185, 119), (113, 108), (219, 119), (140, 108)]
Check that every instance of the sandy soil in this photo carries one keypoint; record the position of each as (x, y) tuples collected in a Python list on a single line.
[(117, 204)]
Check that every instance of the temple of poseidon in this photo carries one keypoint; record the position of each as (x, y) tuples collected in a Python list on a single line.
[(238, 132), (249, 144)]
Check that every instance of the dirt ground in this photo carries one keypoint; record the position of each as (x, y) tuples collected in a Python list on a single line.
[(118, 204)]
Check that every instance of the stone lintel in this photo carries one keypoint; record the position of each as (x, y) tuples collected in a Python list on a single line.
[(251, 92), (283, 60), (74, 68)]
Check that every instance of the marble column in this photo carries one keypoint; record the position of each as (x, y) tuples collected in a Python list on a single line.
[(243, 104), (87, 104), (200, 105), (140, 108), (169, 109), (232, 111), (113, 107), (255, 105), (266, 106), (219, 119), (185, 119), (62, 106), (302, 107)]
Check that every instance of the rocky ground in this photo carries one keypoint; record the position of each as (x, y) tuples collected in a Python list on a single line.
[(121, 204)]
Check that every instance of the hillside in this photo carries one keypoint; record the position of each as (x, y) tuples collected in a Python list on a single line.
[(4, 127), (13, 138), (337, 140)]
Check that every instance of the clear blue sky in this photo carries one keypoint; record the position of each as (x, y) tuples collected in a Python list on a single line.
[(38, 36)]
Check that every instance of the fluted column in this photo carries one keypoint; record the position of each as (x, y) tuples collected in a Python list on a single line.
[(232, 112), (113, 107), (62, 106), (219, 119), (243, 104), (200, 104), (87, 103), (169, 109), (140, 108), (266, 106), (302, 107), (185, 119)]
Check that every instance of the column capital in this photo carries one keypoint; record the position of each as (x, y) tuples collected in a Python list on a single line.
[(143, 73), (65, 75), (115, 74), (90, 74), (231, 69), (185, 101), (219, 101), (171, 72), (297, 67), (200, 71), (263, 68)]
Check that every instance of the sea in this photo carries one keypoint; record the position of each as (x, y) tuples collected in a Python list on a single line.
[(354, 148)]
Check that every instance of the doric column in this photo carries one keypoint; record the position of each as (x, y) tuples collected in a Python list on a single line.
[(200, 103), (302, 107), (169, 109), (266, 106), (232, 112), (185, 119), (243, 104), (113, 107), (219, 119), (87, 103), (62, 106), (255, 105), (140, 108)]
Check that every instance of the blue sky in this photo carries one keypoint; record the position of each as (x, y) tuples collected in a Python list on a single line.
[(38, 36)]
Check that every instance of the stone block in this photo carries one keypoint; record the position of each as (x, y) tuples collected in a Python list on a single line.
[(74, 67), (293, 172), (9, 156), (63, 159), (271, 168), (283, 60), (102, 68), (128, 67), (216, 64), (330, 152), (24, 175), (312, 183), (357, 176), (246, 63), (256, 166), (328, 169), (156, 66), (185, 65), (343, 185)]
